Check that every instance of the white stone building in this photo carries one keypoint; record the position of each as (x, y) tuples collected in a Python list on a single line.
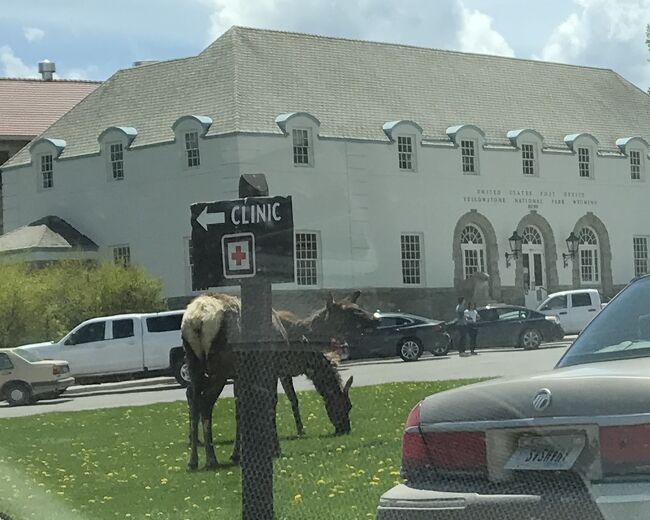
[(409, 168)]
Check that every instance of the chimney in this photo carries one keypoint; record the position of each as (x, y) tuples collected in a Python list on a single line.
[(47, 69)]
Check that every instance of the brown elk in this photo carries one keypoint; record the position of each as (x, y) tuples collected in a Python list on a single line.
[(211, 329)]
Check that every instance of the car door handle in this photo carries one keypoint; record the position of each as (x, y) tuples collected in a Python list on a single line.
[(591, 310), (562, 312)]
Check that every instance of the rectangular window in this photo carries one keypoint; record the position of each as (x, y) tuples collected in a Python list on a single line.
[(581, 300), (635, 165), (192, 149), (307, 257), (528, 159), (405, 152), (468, 156), (301, 147), (474, 261), (589, 271), (640, 255), (584, 162), (122, 255), (117, 161), (165, 323), (47, 172), (411, 248), (122, 329)]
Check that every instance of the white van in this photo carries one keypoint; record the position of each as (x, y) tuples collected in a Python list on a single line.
[(142, 344), (573, 308)]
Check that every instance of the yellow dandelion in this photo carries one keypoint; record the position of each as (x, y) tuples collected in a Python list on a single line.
[(297, 499)]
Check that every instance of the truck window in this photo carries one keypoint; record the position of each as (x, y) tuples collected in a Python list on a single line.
[(122, 329), (5, 362), (559, 302), (89, 333), (581, 300), (164, 323)]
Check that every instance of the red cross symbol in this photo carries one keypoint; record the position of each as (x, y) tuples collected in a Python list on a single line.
[(238, 256)]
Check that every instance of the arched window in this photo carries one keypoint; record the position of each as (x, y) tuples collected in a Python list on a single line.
[(588, 254), (532, 236), (472, 246)]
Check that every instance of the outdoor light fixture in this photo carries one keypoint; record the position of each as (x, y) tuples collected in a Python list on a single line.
[(572, 248), (515, 246)]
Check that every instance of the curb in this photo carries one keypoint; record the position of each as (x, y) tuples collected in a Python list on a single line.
[(121, 385)]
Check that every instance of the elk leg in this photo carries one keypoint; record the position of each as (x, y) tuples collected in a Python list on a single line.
[(236, 453), (210, 395), (194, 403), (287, 384), (277, 451)]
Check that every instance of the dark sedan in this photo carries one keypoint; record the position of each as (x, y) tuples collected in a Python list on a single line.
[(404, 335), (512, 326)]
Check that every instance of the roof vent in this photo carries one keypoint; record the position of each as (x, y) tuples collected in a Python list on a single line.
[(47, 69), (144, 62)]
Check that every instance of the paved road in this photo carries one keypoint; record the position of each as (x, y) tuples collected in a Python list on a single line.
[(489, 363)]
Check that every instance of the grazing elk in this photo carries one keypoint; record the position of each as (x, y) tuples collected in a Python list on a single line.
[(210, 329)]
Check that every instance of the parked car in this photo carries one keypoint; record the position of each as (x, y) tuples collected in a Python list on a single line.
[(25, 377), (569, 443), (511, 326), (574, 308), (404, 335), (139, 344)]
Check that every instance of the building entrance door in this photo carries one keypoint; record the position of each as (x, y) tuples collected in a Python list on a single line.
[(533, 267)]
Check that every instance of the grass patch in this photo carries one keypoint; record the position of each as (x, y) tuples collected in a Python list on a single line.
[(129, 463)]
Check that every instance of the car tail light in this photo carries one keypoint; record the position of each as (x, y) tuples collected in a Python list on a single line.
[(440, 450), (625, 449)]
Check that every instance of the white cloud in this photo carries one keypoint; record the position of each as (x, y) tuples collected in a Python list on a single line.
[(604, 33), (12, 66), (427, 24), (477, 35), (33, 34)]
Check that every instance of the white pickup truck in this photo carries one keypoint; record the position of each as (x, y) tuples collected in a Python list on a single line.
[(573, 308), (138, 344)]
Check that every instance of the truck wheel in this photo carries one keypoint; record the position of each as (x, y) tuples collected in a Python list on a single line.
[(18, 393), (181, 372)]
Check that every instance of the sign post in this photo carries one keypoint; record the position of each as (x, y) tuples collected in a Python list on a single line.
[(249, 241)]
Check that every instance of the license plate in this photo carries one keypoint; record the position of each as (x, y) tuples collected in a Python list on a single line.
[(550, 453)]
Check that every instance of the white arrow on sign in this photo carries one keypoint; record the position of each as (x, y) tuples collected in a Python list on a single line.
[(205, 219)]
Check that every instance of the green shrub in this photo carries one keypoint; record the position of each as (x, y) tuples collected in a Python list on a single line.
[(43, 304)]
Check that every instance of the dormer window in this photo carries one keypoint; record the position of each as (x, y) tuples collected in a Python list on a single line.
[(47, 172), (405, 152), (192, 149), (117, 161), (584, 162), (635, 165), (301, 147), (468, 156), (528, 159)]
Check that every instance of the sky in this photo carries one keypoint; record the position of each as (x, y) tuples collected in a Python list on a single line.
[(91, 39)]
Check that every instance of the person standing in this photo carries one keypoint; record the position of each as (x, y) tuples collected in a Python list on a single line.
[(471, 318), (461, 326)]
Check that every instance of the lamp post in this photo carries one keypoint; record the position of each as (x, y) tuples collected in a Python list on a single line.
[(515, 242), (572, 248)]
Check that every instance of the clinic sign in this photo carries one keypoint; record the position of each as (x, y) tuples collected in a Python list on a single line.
[(242, 238)]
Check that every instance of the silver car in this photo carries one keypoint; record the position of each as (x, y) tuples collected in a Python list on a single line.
[(570, 443)]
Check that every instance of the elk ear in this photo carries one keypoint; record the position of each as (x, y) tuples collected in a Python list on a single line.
[(354, 296), (348, 384), (329, 301)]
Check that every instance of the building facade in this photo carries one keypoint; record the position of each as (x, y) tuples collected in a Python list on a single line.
[(402, 188)]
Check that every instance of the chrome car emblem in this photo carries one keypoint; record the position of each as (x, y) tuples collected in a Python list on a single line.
[(542, 399)]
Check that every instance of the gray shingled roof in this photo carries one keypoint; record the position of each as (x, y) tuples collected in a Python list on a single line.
[(47, 233), (247, 77)]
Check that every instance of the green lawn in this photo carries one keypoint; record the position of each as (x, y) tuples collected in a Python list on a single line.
[(130, 462)]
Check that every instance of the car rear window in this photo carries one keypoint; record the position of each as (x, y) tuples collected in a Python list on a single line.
[(5, 362), (122, 329), (581, 300), (165, 323)]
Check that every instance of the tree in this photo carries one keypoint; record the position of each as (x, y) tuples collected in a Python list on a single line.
[(43, 304)]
